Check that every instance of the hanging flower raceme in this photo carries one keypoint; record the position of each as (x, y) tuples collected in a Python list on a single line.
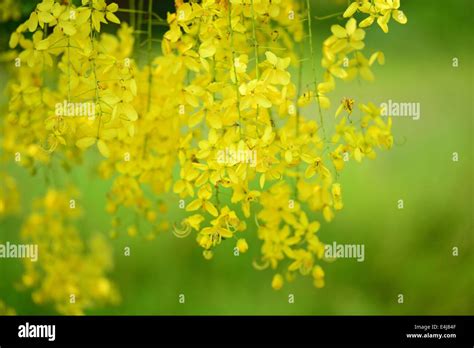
[(219, 125)]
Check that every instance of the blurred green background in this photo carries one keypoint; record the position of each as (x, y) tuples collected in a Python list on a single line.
[(407, 251)]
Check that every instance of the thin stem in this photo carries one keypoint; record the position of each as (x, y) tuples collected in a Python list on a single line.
[(132, 14), (328, 16), (160, 22), (97, 97), (255, 43), (129, 10), (257, 62), (218, 203), (43, 72), (144, 42), (68, 68), (150, 38), (234, 67), (313, 65), (139, 13), (149, 59), (274, 48), (298, 93), (300, 85)]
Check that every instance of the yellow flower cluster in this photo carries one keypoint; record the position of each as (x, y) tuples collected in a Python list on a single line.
[(228, 99), (69, 273), (217, 119), (342, 51), (92, 69), (237, 57), (379, 10), (144, 159)]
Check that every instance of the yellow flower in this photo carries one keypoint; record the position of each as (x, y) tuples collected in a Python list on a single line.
[(194, 221), (216, 233), (204, 195), (132, 231), (350, 36), (101, 11), (242, 245), (277, 282), (41, 15), (275, 72), (380, 10), (316, 167), (389, 8), (359, 65), (242, 193), (303, 261), (306, 228), (254, 94), (217, 92), (318, 277), (336, 195), (358, 5), (208, 254), (68, 265)]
